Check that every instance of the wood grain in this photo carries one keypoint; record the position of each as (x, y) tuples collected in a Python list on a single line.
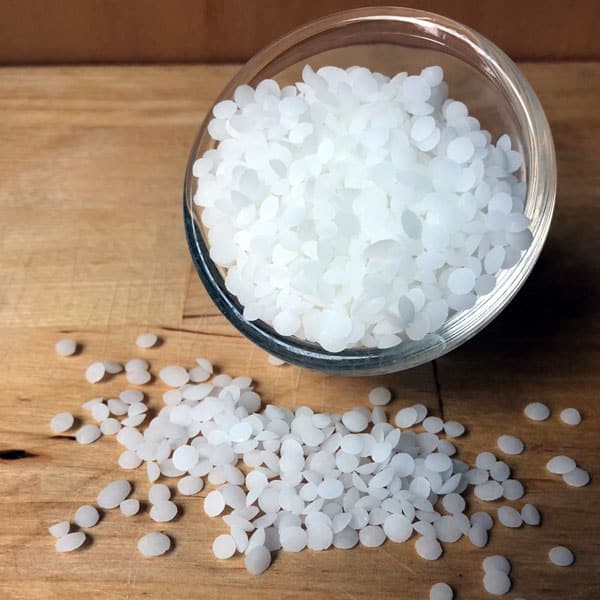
[(92, 243), (134, 31)]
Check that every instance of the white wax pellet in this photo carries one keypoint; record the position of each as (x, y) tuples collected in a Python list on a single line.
[(355, 421), (461, 281), (224, 109), (128, 459), (61, 422), (224, 547), (146, 340), (570, 416), (397, 528), (154, 544), (172, 397), (198, 375), (441, 591), (138, 376), (509, 444), (406, 417), (433, 75), (485, 460), (86, 516), (163, 511), (433, 424), (412, 226), (330, 488), (159, 493), (478, 535), (501, 202), (346, 539), (112, 367), (174, 376), (476, 476), (496, 562), (483, 519), (416, 88), (95, 372), (380, 396), (448, 529), (276, 362), (453, 503), (293, 539), (428, 548), (130, 507), (136, 364), (371, 536), (100, 411), (113, 494), (560, 465), (561, 556), (185, 457), (455, 110), (577, 477), (134, 420), (319, 537), (87, 434), (286, 323), (438, 462), (188, 486), (494, 260), (496, 583), (258, 560), (537, 411), (422, 127), (530, 515), (509, 517), (240, 432), (152, 471), (454, 429), (60, 529), (65, 347), (460, 150), (70, 541), (214, 504), (489, 491), (512, 489), (129, 437)]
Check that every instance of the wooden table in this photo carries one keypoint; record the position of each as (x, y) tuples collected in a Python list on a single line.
[(91, 168)]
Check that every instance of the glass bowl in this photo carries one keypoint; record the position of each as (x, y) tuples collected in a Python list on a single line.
[(391, 40)]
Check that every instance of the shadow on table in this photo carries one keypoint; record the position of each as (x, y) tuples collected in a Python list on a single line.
[(550, 324)]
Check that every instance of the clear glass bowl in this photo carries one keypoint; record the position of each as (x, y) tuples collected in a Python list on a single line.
[(391, 40)]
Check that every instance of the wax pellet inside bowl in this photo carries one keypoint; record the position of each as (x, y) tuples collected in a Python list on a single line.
[(357, 210)]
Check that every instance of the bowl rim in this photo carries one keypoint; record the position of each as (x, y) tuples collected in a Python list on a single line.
[(541, 182)]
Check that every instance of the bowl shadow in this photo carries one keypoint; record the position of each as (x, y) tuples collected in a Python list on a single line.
[(550, 326)]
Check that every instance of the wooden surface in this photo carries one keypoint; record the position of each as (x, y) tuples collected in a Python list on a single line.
[(83, 31), (91, 169)]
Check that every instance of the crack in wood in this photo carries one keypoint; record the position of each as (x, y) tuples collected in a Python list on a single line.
[(15, 454), (183, 330), (438, 387)]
